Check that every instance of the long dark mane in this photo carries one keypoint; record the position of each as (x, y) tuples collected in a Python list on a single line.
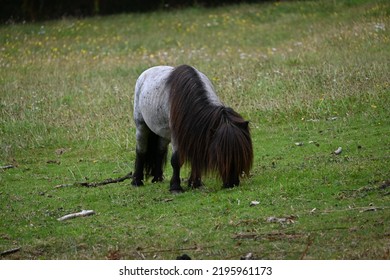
[(209, 136)]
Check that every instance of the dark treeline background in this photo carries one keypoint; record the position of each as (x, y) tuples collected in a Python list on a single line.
[(35, 10)]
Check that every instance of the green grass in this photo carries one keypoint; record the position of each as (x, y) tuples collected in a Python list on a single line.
[(315, 72)]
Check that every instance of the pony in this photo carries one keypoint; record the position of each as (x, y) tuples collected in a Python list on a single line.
[(179, 106)]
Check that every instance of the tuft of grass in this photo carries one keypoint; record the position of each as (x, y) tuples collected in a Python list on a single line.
[(310, 72)]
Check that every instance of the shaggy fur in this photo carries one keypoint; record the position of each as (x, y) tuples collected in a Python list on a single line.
[(209, 136)]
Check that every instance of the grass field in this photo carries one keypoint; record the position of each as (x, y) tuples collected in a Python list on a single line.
[(310, 76)]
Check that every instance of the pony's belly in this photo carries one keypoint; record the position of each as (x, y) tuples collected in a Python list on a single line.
[(155, 115), (159, 127)]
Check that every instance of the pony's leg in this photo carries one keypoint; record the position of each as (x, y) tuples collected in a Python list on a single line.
[(195, 180), (232, 182), (142, 134), (138, 175), (157, 171), (160, 158), (175, 180)]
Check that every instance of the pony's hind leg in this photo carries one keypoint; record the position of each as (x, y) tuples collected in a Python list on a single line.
[(138, 175), (175, 180), (151, 155), (159, 160), (142, 135), (157, 171)]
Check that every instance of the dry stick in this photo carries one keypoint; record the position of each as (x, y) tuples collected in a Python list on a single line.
[(11, 251), (268, 236), (83, 213), (7, 167), (97, 184), (361, 209)]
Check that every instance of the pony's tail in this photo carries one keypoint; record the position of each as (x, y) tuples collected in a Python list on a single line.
[(155, 157)]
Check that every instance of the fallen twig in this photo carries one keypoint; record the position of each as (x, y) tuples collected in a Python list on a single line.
[(369, 209), (7, 167), (83, 213), (10, 251), (97, 184), (268, 236), (361, 209)]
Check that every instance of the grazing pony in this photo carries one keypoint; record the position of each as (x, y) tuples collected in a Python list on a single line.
[(179, 105)]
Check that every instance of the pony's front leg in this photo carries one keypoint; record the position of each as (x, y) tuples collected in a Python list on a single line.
[(195, 180), (175, 180), (233, 181)]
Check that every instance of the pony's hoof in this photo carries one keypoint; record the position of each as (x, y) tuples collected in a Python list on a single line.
[(195, 184), (176, 190), (157, 179), (137, 183)]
